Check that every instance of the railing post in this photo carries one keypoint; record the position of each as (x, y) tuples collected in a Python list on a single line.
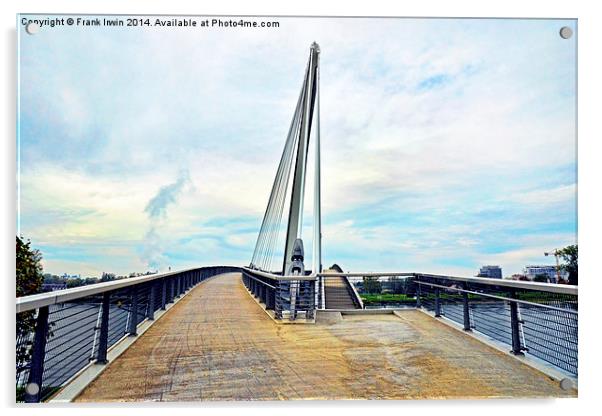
[(437, 303), (133, 311), (178, 285), (33, 389), (514, 324), (418, 293), (312, 299), (269, 298), (278, 300), (466, 308), (150, 310), (103, 339), (163, 293)]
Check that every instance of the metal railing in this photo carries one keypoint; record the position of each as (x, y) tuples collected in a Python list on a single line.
[(537, 318), (289, 297), (70, 329)]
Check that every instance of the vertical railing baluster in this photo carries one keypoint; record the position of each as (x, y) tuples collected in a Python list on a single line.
[(311, 298), (163, 293), (133, 324), (466, 309), (103, 339), (437, 303), (150, 310), (33, 389), (271, 299), (418, 294), (278, 300), (514, 326)]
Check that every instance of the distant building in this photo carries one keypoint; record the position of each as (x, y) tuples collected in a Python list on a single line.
[(71, 276), (549, 271), (492, 272)]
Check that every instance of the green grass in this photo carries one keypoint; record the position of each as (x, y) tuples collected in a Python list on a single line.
[(386, 298), (372, 298)]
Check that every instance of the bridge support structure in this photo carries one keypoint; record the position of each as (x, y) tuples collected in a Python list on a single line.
[(289, 183)]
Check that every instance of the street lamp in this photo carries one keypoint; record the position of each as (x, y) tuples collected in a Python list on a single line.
[(555, 253)]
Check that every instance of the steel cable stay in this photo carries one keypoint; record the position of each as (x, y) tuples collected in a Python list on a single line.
[(271, 224), (266, 225)]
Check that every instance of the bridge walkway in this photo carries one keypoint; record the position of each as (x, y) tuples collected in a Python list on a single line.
[(218, 344)]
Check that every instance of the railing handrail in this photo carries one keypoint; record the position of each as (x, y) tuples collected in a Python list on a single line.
[(30, 302), (262, 282), (279, 277), (498, 297), (368, 274), (356, 295), (517, 284)]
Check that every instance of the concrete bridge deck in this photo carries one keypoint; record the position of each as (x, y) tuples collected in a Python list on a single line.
[(218, 344)]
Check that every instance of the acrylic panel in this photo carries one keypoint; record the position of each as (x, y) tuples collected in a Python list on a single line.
[(293, 208)]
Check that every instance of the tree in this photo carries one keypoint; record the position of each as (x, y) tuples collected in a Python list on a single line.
[(28, 269), (372, 285), (570, 255), (396, 285), (29, 280), (542, 278), (90, 280), (75, 282)]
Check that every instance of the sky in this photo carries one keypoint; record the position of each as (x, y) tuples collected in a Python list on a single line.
[(447, 144)]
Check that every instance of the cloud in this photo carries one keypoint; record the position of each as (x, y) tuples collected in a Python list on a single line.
[(442, 139), (547, 198), (156, 208)]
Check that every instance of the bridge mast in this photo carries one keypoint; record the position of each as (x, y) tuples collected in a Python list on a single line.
[(295, 218), (317, 240)]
